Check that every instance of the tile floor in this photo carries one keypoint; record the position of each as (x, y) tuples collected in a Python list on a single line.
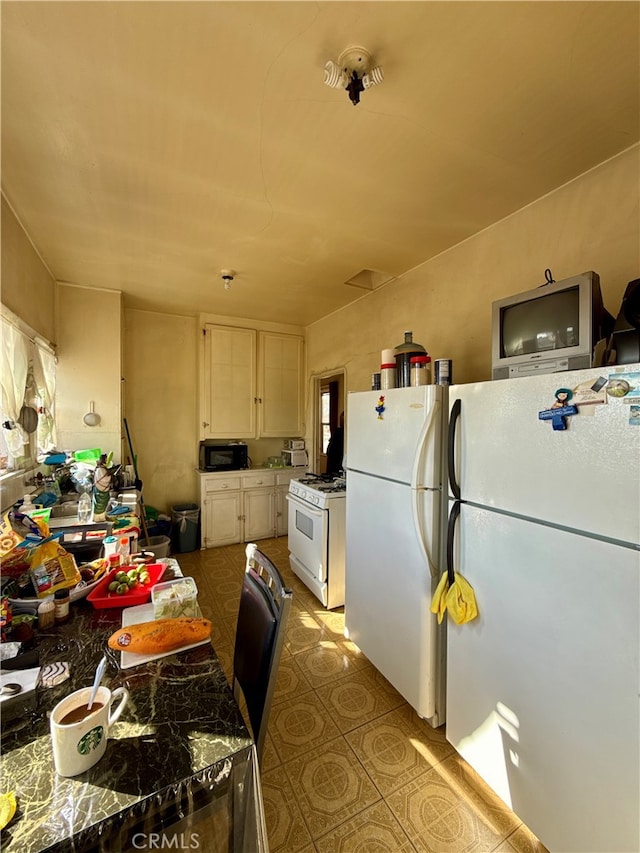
[(348, 766)]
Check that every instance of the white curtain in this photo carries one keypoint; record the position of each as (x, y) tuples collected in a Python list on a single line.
[(13, 382), (44, 373)]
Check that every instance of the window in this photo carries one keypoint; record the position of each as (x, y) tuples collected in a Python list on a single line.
[(325, 418), (27, 394)]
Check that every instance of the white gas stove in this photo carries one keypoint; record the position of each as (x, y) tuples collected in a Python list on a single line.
[(318, 489), (317, 535)]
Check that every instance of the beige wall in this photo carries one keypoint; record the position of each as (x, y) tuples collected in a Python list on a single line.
[(160, 356), (27, 287), (592, 223), (89, 350)]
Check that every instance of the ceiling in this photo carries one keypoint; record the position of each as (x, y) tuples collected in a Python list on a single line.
[(147, 146)]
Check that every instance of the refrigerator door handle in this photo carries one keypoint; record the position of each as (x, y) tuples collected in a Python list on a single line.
[(451, 533), (451, 448), (419, 528), (427, 426)]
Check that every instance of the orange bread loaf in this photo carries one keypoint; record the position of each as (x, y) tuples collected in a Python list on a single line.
[(163, 635)]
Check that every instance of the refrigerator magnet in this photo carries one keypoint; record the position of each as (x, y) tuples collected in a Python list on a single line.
[(590, 393), (380, 408), (625, 387), (560, 410)]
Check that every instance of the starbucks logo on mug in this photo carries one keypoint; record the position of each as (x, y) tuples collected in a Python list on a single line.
[(91, 740)]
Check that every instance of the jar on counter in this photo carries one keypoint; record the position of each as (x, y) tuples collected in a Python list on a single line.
[(420, 370), (388, 376), (61, 603), (46, 614)]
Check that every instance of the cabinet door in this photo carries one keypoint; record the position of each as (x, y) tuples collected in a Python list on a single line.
[(280, 385), (222, 519), (282, 511), (228, 401), (283, 478), (259, 514)]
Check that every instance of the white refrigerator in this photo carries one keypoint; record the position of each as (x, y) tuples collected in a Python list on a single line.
[(393, 516), (543, 688)]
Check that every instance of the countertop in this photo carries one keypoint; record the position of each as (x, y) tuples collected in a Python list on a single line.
[(180, 734)]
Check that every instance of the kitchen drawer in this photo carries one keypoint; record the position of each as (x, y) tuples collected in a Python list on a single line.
[(223, 484), (258, 480)]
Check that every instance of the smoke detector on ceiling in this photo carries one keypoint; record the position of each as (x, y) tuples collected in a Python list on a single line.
[(354, 71)]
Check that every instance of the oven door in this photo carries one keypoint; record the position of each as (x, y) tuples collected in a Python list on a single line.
[(308, 536)]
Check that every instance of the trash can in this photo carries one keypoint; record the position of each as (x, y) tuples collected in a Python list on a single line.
[(185, 518)]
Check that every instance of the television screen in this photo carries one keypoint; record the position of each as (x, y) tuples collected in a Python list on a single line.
[(547, 323)]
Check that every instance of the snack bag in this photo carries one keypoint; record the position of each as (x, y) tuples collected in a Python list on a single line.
[(51, 566), (54, 572), (9, 539)]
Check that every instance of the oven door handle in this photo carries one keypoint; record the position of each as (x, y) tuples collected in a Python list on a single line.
[(311, 510)]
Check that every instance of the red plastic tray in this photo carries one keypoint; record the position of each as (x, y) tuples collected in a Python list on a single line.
[(101, 598)]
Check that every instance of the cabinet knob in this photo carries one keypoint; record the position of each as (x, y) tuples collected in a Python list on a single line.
[(205, 424), (225, 486)]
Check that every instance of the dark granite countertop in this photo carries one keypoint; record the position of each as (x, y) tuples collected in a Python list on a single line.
[(179, 736)]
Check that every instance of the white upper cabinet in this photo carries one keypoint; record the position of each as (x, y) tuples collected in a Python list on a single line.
[(280, 375), (251, 384), (228, 401)]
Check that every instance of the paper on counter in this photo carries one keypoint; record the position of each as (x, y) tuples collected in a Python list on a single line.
[(26, 678)]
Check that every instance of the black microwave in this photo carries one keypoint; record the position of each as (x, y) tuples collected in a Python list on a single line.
[(216, 456)]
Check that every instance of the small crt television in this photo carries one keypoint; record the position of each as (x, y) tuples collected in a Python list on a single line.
[(554, 327)]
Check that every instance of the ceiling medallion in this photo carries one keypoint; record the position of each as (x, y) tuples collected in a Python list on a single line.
[(354, 72)]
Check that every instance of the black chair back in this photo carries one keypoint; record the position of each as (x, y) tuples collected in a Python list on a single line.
[(262, 619)]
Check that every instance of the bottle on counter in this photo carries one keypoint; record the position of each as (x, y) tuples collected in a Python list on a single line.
[(27, 505), (110, 547), (420, 370), (85, 508), (404, 352), (123, 548), (101, 489)]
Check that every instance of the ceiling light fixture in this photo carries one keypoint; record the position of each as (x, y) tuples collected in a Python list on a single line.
[(354, 72), (227, 277)]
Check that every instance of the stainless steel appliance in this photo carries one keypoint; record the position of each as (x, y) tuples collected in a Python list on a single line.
[(317, 535)]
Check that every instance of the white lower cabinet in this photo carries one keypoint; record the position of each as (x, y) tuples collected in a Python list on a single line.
[(259, 514), (282, 511), (221, 519), (243, 507), (283, 479)]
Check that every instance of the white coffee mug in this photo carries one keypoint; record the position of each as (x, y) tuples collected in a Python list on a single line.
[(77, 746)]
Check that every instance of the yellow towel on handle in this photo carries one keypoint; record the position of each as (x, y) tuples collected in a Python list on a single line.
[(461, 601), (439, 600)]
